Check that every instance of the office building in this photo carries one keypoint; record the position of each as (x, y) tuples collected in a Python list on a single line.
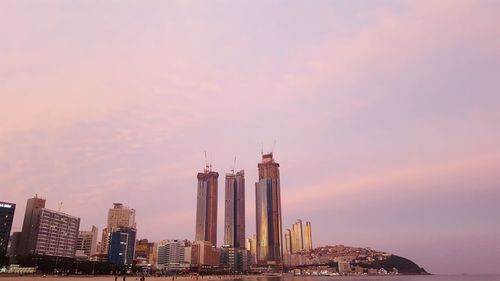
[(6, 217), (118, 217), (206, 207), (308, 245), (234, 216), (48, 232), (297, 237), (87, 242), (121, 246), (268, 212)]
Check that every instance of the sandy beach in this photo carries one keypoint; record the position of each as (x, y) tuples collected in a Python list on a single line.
[(120, 278)]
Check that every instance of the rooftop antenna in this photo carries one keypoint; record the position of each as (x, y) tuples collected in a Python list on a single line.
[(206, 161), (274, 145), (60, 206), (234, 165), (262, 148), (210, 161)]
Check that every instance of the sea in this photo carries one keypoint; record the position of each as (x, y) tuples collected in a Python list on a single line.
[(383, 278)]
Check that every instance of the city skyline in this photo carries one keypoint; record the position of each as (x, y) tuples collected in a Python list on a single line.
[(390, 106)]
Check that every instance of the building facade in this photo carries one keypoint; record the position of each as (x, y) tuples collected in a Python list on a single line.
[(14, 241), (6, 217), (146, 253), (87, 242), (268, 212), (121, 246), (234, 260), (57, 234), (206, 207), (308, 245), (234, 215)]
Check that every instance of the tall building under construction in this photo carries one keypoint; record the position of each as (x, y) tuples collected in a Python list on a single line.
[(234, 214), (268, 212), (206, 206)]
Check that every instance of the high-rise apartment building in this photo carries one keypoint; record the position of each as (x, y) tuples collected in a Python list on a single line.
[(87, 241), (234, 216), (268, 212), (48, 232), (297, 237), (308, 245), (6, 216), (206, 207), (288, 241), (118, 217), (122, 246)]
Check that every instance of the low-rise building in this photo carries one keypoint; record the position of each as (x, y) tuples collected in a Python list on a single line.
[(203, 254)]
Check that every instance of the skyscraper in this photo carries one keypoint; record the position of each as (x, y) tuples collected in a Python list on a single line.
[(206, 207), (268, 212), (308, 237), (297, 237), (234, 216), (119, 216), (6, 216)]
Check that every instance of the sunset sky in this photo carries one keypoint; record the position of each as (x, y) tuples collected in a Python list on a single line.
[(386, 116)]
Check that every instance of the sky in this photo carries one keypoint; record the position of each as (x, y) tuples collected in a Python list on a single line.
[(383, 115)]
